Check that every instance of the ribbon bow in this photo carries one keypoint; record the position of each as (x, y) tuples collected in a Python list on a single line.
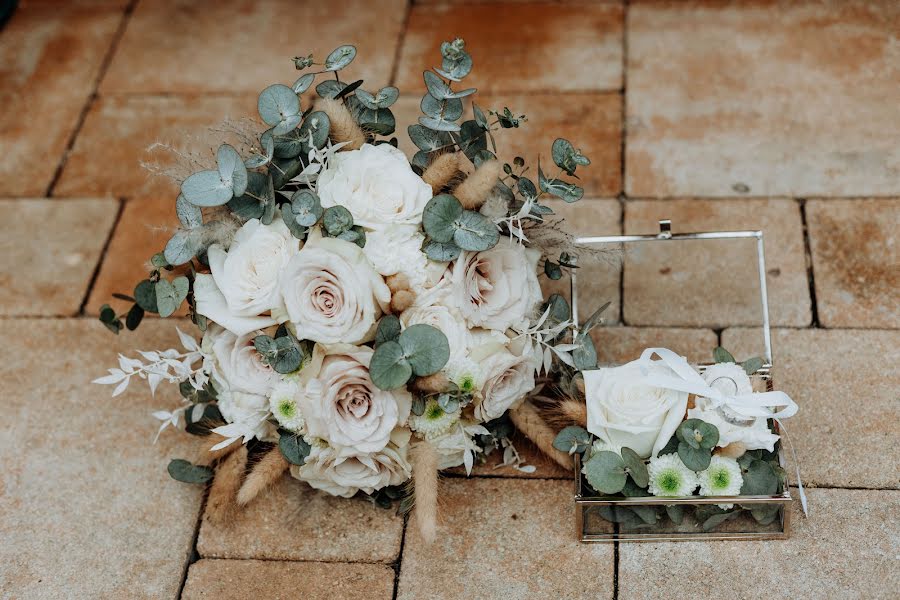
[(753, 405)]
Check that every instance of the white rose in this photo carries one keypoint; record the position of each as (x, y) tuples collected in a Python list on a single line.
[(237, 366), (342, 406), (505, 380), (376, 184), (398, 249), (456, 447), (331, 292), (248, 414), (247, 274), (326, 470), (498, 288), (624, 411)]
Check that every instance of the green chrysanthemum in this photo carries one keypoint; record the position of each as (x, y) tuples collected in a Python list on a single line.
[(669, 477), (722, 478), (434, 421), (284, 407)]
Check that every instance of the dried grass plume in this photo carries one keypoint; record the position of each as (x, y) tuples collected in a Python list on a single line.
[(528, 420), (225, 485), (343, 126), (424, 460), (264, 473), (474, 190), (442, 169)]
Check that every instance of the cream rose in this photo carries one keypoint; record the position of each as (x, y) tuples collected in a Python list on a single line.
[(332, 293), (327, 470), (397, 249), (376, 184), (247, 274), (498, 288), (342, 406), (447, 320), (505, 379), (624, 411), (237, 366)]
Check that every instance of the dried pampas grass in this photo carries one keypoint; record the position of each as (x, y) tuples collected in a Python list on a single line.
[(474, 190), (528, 420), (441, 170), (424, 460), (344, 127), (226, 484), (565, 412), (208, 456), (264, 473)]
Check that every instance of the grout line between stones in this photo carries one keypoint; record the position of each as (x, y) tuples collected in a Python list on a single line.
[(623, 132), (400, 41), (102, 258), (616, 567), (194, 555), (92, 98), (807, 252), (398, 564)]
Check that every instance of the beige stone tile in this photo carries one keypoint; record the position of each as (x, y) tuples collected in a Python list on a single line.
[(115, 153), (50, 55), (87, 509), (242, 579), (599, 273), (715, 282), (143, 230), (846, 548), (856, 261), (618, 345), (502, 538), (319, 527), (592, 122), (845, 382), (763, 98), (237, 46), (50, 250), (540, 47)]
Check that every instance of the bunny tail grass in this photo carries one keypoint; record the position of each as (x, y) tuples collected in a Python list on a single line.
[(441, 171), (264, 473), (567, 411), (424, 459), (343, 127), (225, 485), (207, 456), (474, 190), (528, 420)]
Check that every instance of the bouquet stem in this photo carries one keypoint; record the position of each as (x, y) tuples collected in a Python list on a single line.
[(527, 420)]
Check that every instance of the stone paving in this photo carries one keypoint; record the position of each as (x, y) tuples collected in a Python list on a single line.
[(781, 116)]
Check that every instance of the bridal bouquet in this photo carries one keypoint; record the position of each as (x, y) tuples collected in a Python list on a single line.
[(365, 318)]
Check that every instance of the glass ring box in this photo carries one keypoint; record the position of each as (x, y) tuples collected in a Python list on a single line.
[(638, 516)]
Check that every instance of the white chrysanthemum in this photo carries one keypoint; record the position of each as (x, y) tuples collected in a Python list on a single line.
[(284, 406), (722, 478), (670, 477), (434, 421), (601, 446)]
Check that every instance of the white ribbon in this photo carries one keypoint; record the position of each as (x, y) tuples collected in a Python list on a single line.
[(753, 405)]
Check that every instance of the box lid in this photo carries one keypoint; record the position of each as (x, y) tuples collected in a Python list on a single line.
[(679, 279)]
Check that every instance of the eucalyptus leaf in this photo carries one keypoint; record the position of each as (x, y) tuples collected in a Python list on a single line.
[(721, 355), (252, 204), (475, 232), (306, 208), (572, 439), (288, 145), (760, 479), (441, 251), (675, 513), (232, 169), (472, 139), (337, 220), (134, 317), (182, 247), (380, 121), (388, 329), (283, 170), (585, 355), (318, 125), (559, 188), (186, 472), (388, 367), (567, 157), (426, 349), (427, 139), (279, 107), (330, 88), (695, 459), (170, 295), (752, 365), (480, 118), (302, 84), (698, 434), (440, 216), (386, 97), (145, 296), (605, 472), (189, 214), (340, 57), (207, 188), (438, 124), (267, 146), (450, 109), (526, 188), (293, 448), (636, 467)]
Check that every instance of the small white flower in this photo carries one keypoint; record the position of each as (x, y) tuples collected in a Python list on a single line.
[(398, 249), (434, 421), (601, 446), (670, 477), (284, 406), (722, 478)]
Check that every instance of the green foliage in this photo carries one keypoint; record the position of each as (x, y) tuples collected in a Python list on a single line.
[(170, 295), (441, 252), (752, 365), (389, 368), (340, 57), (292, 447), (585, 355), (696, 440), (337, 220), (108, 317), (186, 472), (760, 479), (279, 107), (134, 317), (388, 329), (675, 512), (572, 439), (559, 188), (145, 296), (214, 188), (283, 353), (189, 214), (721, 355), (306, 208), (605, 472), (420, 350), (316, 127), (567, 157), (635, 466), (183, 246)]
